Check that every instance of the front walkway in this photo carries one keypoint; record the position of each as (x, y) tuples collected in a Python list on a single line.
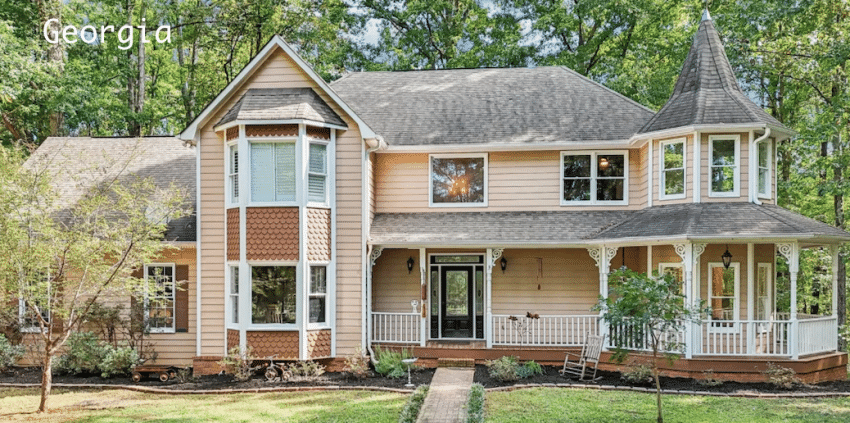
[(447, 396)]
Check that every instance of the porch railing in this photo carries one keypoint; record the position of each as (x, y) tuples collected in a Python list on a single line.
[(401, 328), (744, 337), (550, 330), (818, 335), (638, 337)]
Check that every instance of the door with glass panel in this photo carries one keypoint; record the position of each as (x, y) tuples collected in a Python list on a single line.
[(457, 297)]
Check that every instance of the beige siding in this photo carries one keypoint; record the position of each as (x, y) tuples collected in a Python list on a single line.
[(743, 169), (639, 187), (517, 181), (179, 348), (392, 286), (349, 240)]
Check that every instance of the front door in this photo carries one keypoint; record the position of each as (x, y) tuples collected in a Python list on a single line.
[(457, 308)]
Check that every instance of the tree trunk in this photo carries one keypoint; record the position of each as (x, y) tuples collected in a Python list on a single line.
[(46, 378), (657, 388), (838, 208), (52, 9)]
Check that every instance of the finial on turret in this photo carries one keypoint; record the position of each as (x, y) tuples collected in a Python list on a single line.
[(705, 15)]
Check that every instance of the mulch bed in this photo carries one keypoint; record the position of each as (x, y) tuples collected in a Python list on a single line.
[(218, 382), (551, 376)]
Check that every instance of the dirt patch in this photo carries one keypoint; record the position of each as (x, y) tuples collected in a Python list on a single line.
[(220, 382), (550, 375)]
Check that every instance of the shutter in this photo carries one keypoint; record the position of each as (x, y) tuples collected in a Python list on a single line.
[(137, 313), (181, 299)]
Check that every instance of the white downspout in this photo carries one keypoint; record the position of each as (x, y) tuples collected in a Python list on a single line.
[(755, 161), (373, 144)]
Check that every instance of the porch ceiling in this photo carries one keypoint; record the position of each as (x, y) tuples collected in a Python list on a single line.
[(682, 221)]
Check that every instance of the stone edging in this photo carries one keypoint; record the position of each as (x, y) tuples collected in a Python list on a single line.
[(738, 394), (152, 390)]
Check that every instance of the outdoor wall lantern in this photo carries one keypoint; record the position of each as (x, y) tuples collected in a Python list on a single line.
[(410, 264), (504, 263), (726, 257)]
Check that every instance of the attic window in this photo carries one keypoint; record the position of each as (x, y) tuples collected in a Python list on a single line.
[(458, 181)]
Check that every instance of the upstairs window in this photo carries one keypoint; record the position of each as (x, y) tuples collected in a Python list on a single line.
[(272, 172), (764, 161), (317, 174), (594, 178), (233, 173), (724, 174), (160, 299), (672, 181), (458, 180)]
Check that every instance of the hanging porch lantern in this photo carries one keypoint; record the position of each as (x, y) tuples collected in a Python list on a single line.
[(726, 257)]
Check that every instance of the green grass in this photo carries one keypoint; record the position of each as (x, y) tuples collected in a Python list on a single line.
[(125, 406), (568, 405)]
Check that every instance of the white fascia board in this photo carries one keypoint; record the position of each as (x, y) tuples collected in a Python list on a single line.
[(480, 147), (639, 139), (315, 123), (276, 41)]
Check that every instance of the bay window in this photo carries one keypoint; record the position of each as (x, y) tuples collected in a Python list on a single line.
[(318, 292), (672, 183), (273, 172), (458, 180), (594, 178), (233, 172), (234, 294), (273, 297), (159, 297), (764, 160), (317, 174), (724, 174)]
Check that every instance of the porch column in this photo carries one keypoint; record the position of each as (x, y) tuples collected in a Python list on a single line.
[(751, 300), (373, 257), (424, 305), (791, 252), (602, 256), (490, 258), (689, 253), (833, 250)]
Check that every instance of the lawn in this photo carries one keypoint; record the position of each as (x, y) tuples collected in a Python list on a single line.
[(569, 405), (123, 406)]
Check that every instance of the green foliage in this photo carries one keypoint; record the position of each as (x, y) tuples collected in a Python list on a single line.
[(508, 369), (475, 405), (781, 377), (306, 370), (239, 364), (84, 355), (9, 354), (528, 369), (410, 412), (357, 364), (118, 361), (390, 362), (639, 374)]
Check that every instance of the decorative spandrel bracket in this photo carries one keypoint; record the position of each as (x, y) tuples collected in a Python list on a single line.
[(698, 250), (791, 252), (376, 252), (496, 254), (602, 256)]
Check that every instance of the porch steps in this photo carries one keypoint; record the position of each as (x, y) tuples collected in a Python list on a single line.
[(456, 362)]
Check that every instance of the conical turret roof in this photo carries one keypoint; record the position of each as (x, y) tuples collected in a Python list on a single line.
[(707, 92)]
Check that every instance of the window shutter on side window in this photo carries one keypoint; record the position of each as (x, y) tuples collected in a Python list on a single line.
[(136, 314), (181, 307)]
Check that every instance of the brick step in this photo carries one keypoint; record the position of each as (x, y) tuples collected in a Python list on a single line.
[(456, 362)]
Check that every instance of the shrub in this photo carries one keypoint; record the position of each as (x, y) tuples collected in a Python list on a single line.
[(306, 370), (9, 354), (708, 379), (410, 412), (238, 364), (475, 405), (119, 361), (640, 373), (508, 369), (781, 377), (84, 354), (185, 376), (390, 362), (530, 368), (357, 364)]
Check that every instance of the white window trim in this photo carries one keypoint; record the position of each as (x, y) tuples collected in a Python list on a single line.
[(231, 202), (771, 288), (327, 323), (229, 271), (327, 144), (737, 179), (593, 171), (675, 265), (431, 158), (760, 194), (250, 325), (173, 327), (661, 170), (272, 140), (22, 310), (733, 327)]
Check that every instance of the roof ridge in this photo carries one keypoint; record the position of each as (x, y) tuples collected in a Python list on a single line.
[(607, 89)]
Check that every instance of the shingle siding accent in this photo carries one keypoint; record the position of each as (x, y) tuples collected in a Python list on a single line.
[(318, 344), (271, 130), (233, 234), (284, 345), (232, 133), (232, 339), (271, 233), (318, 235), (320, 133)]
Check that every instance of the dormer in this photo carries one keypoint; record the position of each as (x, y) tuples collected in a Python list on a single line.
[(710, 142)]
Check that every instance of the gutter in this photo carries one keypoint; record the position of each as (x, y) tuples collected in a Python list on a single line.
[(373, 144)]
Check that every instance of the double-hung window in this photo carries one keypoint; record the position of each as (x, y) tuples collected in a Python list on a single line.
[(672, 170), (318, 174), (160, 299), (318, 292), (273, 295), (233, 172), (764, 160), (724, 174), (723, 296), (594, 178), (458, 180), (36, 298), (234, 294), (273, 172)]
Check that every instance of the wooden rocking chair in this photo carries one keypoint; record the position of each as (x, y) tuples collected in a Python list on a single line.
[(589, 357)]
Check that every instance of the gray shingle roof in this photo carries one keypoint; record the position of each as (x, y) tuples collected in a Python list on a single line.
[(282, 104), (589, 227), (473, 106), (707, 92), (79, 163)]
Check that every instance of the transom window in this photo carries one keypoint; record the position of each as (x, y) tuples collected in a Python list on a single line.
[(764, 161), (672, 182), (458, 180), (318, 291), (273, 172), (724, 166), (273, 294), (318, 173), (159, 298), (594, 178), (723, 296)]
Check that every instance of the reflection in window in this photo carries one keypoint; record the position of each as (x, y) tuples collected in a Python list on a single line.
[(457, 180), (273, 294), (159, 303), (457, 294), (318, 290), (723, 295), (724, 166), (673, 168), (764, 168), (594, 177)]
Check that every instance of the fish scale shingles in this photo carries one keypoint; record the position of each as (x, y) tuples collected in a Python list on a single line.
[(271, 233)]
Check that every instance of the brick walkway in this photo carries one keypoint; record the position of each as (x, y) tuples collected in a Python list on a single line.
[(447, 396)]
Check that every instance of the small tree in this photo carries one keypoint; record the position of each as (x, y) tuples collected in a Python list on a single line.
[(60, 257), (653, 307)]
